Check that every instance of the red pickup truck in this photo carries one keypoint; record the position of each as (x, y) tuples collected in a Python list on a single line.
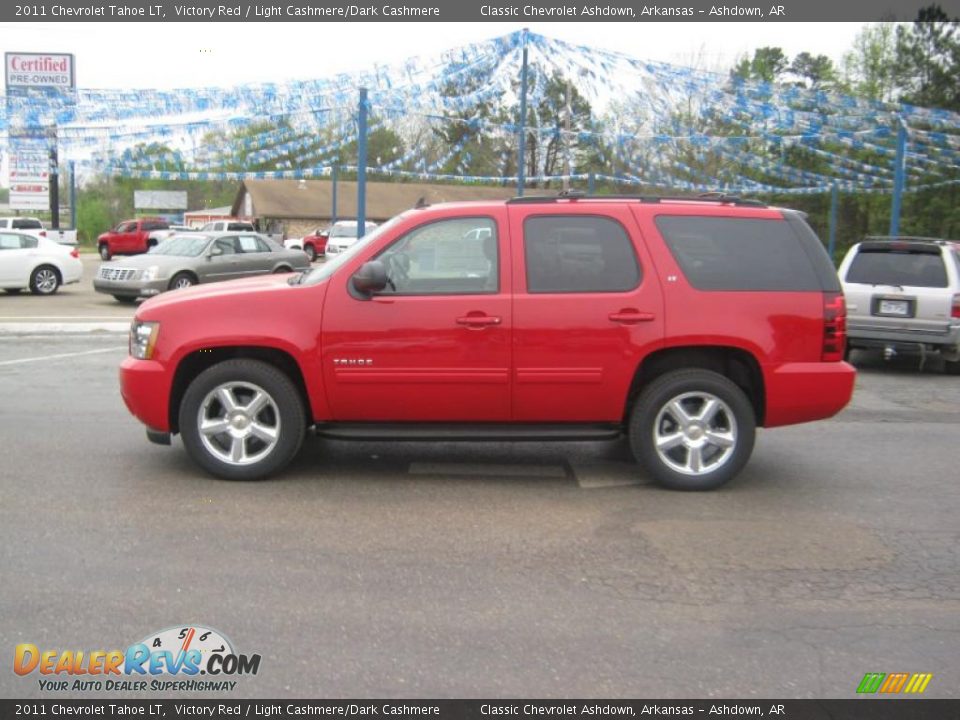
[(131, 237), (682, 324)]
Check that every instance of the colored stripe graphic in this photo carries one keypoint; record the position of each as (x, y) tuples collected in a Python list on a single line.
[(894, 683), (871, 682), (918, 682)]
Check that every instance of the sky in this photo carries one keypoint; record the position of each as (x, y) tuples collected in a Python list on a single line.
[(180, 55), (154, 55)]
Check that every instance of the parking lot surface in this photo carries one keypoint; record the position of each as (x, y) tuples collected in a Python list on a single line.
[(458, 570)]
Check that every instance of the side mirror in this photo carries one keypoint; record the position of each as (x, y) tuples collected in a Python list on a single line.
[(214, 251), (370, 278)]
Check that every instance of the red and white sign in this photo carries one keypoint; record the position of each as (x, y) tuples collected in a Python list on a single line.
[(50, 70)]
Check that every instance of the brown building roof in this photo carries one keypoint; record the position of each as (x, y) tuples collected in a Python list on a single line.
[(312, 199)]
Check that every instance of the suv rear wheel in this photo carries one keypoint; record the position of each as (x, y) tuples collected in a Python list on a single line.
[(242, 420), (692, 429)]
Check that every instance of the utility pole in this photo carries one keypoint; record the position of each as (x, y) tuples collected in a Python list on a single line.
[(521, 174), (567, 140), (362, 165), (54, 186)]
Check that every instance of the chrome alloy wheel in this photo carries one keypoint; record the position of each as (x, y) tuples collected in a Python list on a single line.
[(45, 281), (695, 433), (182, 282), (239, 423)]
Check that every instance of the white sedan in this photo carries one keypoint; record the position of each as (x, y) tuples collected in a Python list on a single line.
[(37, 263)]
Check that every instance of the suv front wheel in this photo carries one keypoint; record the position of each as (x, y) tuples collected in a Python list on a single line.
[(242, 420), (692, 429)]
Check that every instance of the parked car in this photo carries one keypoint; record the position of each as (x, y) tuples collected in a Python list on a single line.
[(903, 296), (681, 324), (343, 234), (28, 225), (37, 263), (131, 237), (314, 244), (155, 237), (33, 226), (191, 258), (228, 226)]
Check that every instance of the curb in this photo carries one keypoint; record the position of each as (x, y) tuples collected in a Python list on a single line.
[(64, 328)]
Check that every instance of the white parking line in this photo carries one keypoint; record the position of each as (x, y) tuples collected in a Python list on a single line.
[(60, 356), (60, 328)]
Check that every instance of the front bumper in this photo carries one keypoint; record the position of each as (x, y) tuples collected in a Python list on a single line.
[(145, 388), (130, 288)]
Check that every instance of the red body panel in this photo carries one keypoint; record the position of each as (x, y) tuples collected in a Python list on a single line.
[(318, 242), (127, 243), (550, 357)]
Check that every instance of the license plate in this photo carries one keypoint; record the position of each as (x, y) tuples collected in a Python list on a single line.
[(899, 308)]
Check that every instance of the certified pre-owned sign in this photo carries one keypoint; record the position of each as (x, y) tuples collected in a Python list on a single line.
[(49, 70)]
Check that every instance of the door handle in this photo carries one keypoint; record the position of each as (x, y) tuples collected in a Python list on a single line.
[(478, 321), (629, 316)]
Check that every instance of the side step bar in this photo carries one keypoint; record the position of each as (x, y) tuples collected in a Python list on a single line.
[(452, 432)]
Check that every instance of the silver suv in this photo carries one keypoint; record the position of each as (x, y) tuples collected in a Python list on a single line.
[(903, 296)]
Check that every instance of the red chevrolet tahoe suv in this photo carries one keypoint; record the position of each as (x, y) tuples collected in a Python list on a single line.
[(131, 237), (681, 323)]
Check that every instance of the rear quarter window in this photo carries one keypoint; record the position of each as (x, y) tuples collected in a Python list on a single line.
[(746, 254), (876, 266)]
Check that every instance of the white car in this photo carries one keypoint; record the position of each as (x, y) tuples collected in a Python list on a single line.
[(28, 225), (37, 263), (903, 296), (343, 234)]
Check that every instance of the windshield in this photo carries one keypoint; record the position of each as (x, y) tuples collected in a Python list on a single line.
[(322, 272), (344, 231), (186, 245)]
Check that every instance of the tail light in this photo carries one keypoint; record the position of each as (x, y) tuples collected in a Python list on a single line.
[(955, 308), (75, 253), (43, 233), (834, 327)]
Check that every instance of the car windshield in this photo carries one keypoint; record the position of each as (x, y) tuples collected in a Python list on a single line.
[(321, 272), (344, 231), (186, 245)]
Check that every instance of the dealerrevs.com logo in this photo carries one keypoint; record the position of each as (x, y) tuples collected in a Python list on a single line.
[(170, 660)]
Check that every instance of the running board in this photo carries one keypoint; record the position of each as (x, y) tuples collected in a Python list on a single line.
[(452, 432)]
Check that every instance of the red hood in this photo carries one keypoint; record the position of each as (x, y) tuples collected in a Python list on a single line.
[(231, 290)]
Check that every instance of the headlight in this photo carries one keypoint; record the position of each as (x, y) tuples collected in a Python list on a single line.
[(143, 338), (151, 273)]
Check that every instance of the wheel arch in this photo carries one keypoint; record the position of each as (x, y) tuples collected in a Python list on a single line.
[(197, 361), (735, 363)]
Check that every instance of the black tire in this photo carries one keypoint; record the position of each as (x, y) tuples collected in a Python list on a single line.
[(125, 299), (286, 415), (13, 291), (311, 252), (45, 280), (733, 421), (951, 367), (282, 269), (182, 280), (104, 251)]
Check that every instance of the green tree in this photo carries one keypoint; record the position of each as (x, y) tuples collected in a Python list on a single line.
[(869, 66), (768, 64), (928, 60)]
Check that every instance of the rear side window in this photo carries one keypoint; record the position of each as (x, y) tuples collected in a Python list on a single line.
[(578, 254), (747, 254), (239, 227), (27, 224), (883, 266)]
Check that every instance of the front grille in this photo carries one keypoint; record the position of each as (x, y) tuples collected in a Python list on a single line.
[(116, 273)]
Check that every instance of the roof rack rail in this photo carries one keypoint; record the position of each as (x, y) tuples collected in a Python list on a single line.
[(716, 197)]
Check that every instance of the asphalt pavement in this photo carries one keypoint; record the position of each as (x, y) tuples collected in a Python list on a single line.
[(478, 570)]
